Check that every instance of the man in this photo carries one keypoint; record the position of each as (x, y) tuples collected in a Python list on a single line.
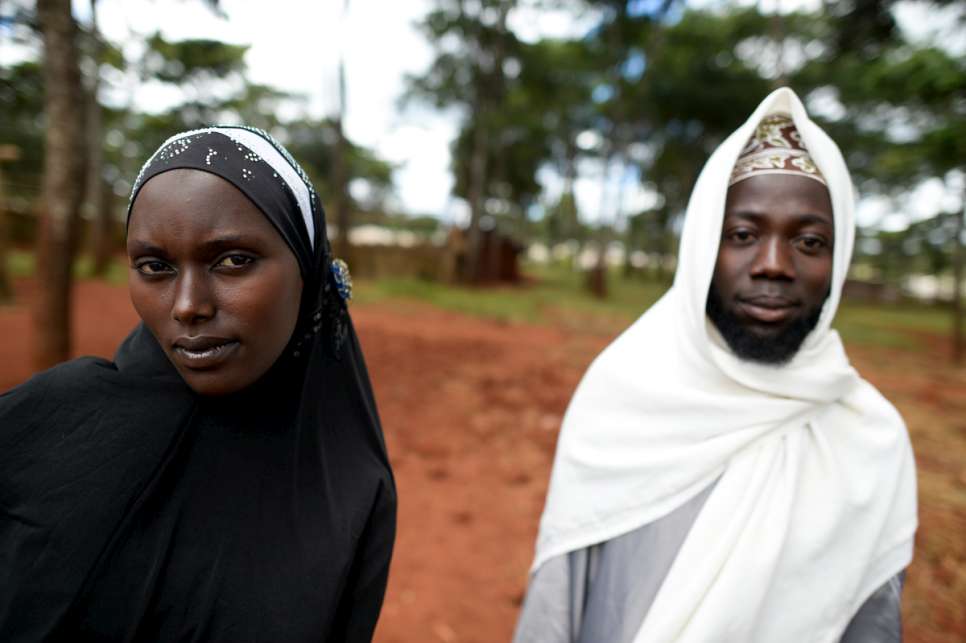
[(723, 473)]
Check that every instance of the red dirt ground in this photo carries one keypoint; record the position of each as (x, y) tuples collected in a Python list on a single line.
[(471, 410)]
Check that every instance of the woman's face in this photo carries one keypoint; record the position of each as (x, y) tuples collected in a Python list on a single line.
[(212, 279)]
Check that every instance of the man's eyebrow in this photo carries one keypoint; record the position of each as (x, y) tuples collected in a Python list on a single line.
[(815, 218), (804, 218), (744, 214)]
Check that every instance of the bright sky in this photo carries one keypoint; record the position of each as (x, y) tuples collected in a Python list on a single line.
[(294, 46)]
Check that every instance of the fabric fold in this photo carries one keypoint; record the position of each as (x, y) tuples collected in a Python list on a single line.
[(817, 476)]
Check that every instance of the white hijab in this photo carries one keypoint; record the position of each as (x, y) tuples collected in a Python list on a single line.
[(815, 507)]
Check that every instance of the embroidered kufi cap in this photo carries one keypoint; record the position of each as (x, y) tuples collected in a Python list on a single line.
[(776, 147)]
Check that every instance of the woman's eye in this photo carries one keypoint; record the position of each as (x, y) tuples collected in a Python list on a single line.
[(153, 268), (234, 261)]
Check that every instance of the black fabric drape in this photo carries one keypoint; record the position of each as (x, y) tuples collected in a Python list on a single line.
[(132, 509)]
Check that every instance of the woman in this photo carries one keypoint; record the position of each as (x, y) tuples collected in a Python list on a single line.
[(225, 478)]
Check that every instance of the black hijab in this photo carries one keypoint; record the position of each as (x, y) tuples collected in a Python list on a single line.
[(132, 509)]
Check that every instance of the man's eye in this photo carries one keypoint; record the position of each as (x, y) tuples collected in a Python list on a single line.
[(234, 261), (153, 268), (741, 236), (812, 244)]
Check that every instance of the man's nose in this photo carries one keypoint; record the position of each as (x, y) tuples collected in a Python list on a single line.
[(193, 300), (773, 260)]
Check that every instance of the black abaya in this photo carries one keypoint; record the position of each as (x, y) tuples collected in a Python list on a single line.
[(132, 509)]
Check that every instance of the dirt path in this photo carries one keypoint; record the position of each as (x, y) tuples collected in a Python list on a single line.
[(471, 410)]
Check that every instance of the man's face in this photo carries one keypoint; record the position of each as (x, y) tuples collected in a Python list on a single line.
[(774, 265)]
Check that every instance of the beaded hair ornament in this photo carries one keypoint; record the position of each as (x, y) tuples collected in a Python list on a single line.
[(776, 147)]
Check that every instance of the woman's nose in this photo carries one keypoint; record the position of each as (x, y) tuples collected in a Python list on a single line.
[(193, 300), (773, 260)]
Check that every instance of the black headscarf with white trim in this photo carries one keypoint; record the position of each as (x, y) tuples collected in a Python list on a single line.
[(132, 508)]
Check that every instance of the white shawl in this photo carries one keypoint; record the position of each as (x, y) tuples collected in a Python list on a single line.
[(816, 503)]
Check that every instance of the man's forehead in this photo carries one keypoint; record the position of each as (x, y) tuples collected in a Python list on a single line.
[(779, 194)]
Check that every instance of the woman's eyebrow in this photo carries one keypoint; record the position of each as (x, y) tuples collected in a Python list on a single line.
[(229, 241), (218, 244), (138, 247)]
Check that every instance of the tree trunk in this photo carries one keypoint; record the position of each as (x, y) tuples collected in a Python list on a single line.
[(340, 202), (959, 346), (572, 227), (474, 246), (597, 277), (99, 215), (489, 86), (342, 211), (63, 184), (6, 288)]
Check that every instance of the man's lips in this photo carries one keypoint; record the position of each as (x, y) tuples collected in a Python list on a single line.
[(203, 352), (768, 309)]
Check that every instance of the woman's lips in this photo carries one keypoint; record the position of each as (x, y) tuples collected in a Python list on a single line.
[(200, 353), (768, 310)]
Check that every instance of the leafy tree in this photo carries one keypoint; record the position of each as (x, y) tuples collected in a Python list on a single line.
[(556, 87), (561, 223), (313, 143), (202, 69), (472, 44), (22, 104), (904, 115)]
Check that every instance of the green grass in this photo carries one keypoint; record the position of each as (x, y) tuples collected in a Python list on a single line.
[(22, 263), (919, 318), (548, 296), (555, 295)]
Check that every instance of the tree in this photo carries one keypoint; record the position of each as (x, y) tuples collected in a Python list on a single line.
[(7, 153), (472, 44), (63, 181), (210, 73), (21, 100), (340, 192), (904, 115), (21, 154), (98, 213), (313, 143), (555, 88)]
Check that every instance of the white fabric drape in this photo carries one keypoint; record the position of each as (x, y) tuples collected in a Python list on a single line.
[(816, 503)]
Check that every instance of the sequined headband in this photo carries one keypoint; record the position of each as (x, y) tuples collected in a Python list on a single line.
[(776, 147), (254, 146)]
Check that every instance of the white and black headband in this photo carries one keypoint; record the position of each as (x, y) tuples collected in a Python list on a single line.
[(256, 164)]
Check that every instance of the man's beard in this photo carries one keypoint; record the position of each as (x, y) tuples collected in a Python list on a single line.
[(746, 344)]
